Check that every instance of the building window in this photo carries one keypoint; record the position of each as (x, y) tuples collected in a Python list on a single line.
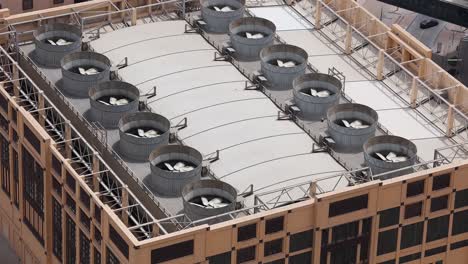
[(410, 257), (459, 223), (439, 203), (392, 261), (32, 139), (111, 258), (85, 220), (56, 165), (171, 252), (274, 225), (415, 188), (389, 217), (245, 254), (435, 251), (441, 182), (278, 261), (97, 256), (3, 103), (413, 210), (84, 249), (97, 213), (223, 258), (461, 198), (4, 123), (27, 4), (70, 239), (411, 235), (70, 182), (71, 203), (56, 2), (348, 205), (387, 241), (345, 231), (33, 193), (56, 186), (84, 198), (273, 247), (300, 241), (437, 228), (118, 241), (246, 232), (460, 244), (301, 258), (57, 229), (15, 178), (5, 163)]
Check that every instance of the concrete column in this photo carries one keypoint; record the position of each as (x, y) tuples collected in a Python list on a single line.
[(318, 15), (450, 122), (414, 92), (95, 169), (348, 39), (124, 204), (134, 16), (380, 65), (68, 149), (42, 112)]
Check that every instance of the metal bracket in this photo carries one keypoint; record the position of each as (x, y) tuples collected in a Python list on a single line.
[(283, 116), (152, 94), (221, 57)]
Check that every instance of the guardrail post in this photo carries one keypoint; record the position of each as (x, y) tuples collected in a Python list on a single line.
[(318, 15), (380, 65), (450, 121), (348, 39), (414, 92), (134, 16)]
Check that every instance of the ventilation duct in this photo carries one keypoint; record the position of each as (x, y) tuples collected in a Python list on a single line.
[(54, 41), (315, 93), (141, 133), (218, 14), (111, 100), (281, 63), (174, 166), (249, 35), (208, 198), (350, 125), (387, 153), (81, 70)]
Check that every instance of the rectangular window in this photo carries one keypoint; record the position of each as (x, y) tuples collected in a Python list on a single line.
[(273, 247), (387, 241), (118, 241), (459, 225), (5, 164), (97, 213), (415, 188), (97, 235), (392, 261), (171, 252), (461, 198), (439, 203), (71, 203), (389, 217), (223, 258), (411, 235), (278, 261), (85, 220), (460, 244), (84, 198), (56, 186), (33, 193), (27, 4), (345, 231), (70, 240), (4, 124), (56, 2), (300, 241), (70, 181), (56, 165), (57, 230), (274, 225), (15, 178), (301, 258), (410, 257), (32, 139), (84, 249), (437, 228), (435, 251), (413, 210), (97, 256), (245, 254), (246, 232), (441, 182), (348, 205), (111, 258), (3, 103)]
